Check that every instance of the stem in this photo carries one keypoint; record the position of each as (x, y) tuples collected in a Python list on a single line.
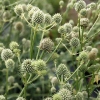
[(74, 72), (6, 83), (41, 54), (39, 48), (54, 51)]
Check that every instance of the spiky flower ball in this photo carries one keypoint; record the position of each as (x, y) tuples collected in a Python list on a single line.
[(38, 17), (11, 79), (20, 98), (79, 96), (19, 26), (18, 9), (6, 54), (27, 66), (83, 12), (57, 97), (80, 5), (13, 45), (61, 3), (88, 48), (92, 6), (48, 98), (40, 65), (74, 42), (76, 29), (65, 94), (68, 27), (61, 30), (84, 22), (47, 18), (53, 89), (32, 11), (9, 64), (6, 16), (29, 7), (5, 2), (57, 18), (62, 70), (2, 97), (54, 80), (46, 44), (83, 56)]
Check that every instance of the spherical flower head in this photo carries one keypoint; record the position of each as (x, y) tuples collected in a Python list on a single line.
[(47, 19), (65, 94), (11, 79), (68, 27), (94, 50), (57, 18), (71, 22), (27, 66), (6, 16), (20, 98), (74, 42), (46, 44), (2, 97), (38, 17), (6, 54), (13, 45), (88, 48), (92, 6), (54, 80), (5, 2), (70, 5), (57, 97), (79, 96), (84, 22), (9, 64), (80, 5), (29, 7), (39, 65), (62, 70), (61, 30), (61, 2), (48, 98), (19, 26), (83, 12), (76, 29), (32, 11), (53, 89), (83, 56), (68, 86), (18, 9)]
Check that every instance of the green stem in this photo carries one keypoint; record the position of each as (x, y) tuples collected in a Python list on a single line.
[(41, 54), (6, 83), (39, 48), (54, 51)]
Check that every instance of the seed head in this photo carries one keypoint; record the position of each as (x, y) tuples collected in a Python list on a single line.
[(2, 97), (13, 45), (57, 97), (57, 18), (84, 22), (68, 27), (6, 54), (46, 44), (61, 30)]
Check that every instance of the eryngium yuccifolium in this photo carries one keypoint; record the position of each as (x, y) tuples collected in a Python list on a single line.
[(39, 65), (57, 18), (5, 2), (57, 97), (84, 22), (48, 98), (65, 94), (76, 29), (83, 12), (13, 45), (27, 66), (67, 86), (79, 96), (6, 16), (88, 48), (20, 98), (92, 6), (53, 89), (68, 27), (38, 17), (19, 26), (2, 97), (47, 18), (32, 11), (74, 42), (46, 44), (83, 56), (6, 54), (71, 22), (11, 79), (9, 64), (61, 30), (54, 80), (18, 9), (29, 7), (62, 70), (80, 5)]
